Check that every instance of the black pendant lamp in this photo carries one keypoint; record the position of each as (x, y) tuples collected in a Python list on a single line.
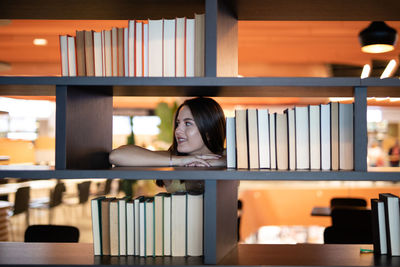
[(378, 37)]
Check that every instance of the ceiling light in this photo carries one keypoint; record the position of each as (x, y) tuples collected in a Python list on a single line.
[(339, 99), (389, 69), (378, 37), (40, 41), (366, 71)]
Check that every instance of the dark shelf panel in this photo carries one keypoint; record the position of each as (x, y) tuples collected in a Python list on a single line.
[(92, 9), (306, 255), (187, 173)]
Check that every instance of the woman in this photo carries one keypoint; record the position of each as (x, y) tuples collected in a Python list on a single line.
[(199, 130)]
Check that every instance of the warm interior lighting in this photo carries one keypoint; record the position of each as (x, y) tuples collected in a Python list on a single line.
[(378, 37), (40, 41), (339, 99), (394, 99), (381, 98), (366, 71), (389, 69)]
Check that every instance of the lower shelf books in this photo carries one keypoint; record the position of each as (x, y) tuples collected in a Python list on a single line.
[(163, 225), (386, 224)]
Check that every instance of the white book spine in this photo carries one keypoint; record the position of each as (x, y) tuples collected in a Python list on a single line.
[(103, 53), (150, 229), (137, 227), (189, 48), (180, 47), (252, 133), (169, 48), (167, 226), (194, 225), (98, 54), (108, 53), (263, 138), (142, 230), (130, 229), (131, 48), (71, 56), (96, 226), (139, 49), (230, 142), (281, 137), (325, 122), (155, 48), (382, 227), (146, 50), (64, 55), (178, 226), (158, 225), (272, 140), (122, 227), (291, 139), (315, 135), (346, 161), (114, 51), (302, 139)]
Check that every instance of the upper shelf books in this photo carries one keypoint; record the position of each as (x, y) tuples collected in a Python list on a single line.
[(150, 48), (314, 137)]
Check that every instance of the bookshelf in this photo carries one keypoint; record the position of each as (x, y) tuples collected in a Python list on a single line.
[(85, 155)]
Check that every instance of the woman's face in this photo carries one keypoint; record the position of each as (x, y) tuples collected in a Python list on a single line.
[(187, 134)]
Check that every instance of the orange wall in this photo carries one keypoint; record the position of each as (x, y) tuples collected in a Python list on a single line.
[(292, 206), (19, 151)]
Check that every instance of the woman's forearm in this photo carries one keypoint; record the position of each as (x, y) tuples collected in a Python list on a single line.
[(131, 155)]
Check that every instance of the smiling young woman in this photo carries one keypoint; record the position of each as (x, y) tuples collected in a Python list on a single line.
[(199, 130)]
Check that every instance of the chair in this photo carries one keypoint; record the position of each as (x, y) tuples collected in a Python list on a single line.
[(83, 196), (346, 202), (21, 205), (106, 190), (351, 225), (55, 199), (52, 233)]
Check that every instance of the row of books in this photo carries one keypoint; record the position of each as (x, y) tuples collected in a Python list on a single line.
[(317, 137), (386, 224), (163, 225), (150, 48)]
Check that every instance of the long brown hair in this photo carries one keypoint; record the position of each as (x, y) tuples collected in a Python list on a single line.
[(210, 120)]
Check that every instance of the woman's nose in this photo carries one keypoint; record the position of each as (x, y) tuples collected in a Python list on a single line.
[(179, 128)]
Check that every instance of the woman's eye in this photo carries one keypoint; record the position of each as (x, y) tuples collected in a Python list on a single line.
[(188, 123)]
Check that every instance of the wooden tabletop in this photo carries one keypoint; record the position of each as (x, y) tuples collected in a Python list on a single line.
[(268, 255)]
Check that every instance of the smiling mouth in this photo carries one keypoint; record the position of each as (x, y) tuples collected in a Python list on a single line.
[(180, 140)]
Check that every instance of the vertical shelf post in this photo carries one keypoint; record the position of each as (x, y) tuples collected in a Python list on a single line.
[(360, 128), (221, 46), (83, 127), (220, 219)]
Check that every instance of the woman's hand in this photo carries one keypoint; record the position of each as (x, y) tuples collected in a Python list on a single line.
[(197, 160)]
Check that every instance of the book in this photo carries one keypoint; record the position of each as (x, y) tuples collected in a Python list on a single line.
[(137, 225), (159, 224), (155, 48), (272, 139), (149, 222), (139, 49), (167, 225), (230, 142), (325, 123), (291, 139), (263, 138), (302, 138), (194, 224), (392, 221), (114, 228), (89, 53), (180, 47), (168, 52), (71, 56), (334, 109), (281, 136), (64, 55), (146, 50), (103, 53), (315, 137), (346, 155), (98, 54), (107, 53), (80, 53), (189, 48), (199, 44), (178, 224), (122, 224), (96, 224), (130, 228), (378, 226), (252, 133), (241, 139), (120, 51), (142, 227), (131, 48), (105, 225), (126, 52), (114, 50)]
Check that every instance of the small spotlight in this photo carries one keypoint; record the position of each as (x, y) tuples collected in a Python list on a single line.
[(40, 41)]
